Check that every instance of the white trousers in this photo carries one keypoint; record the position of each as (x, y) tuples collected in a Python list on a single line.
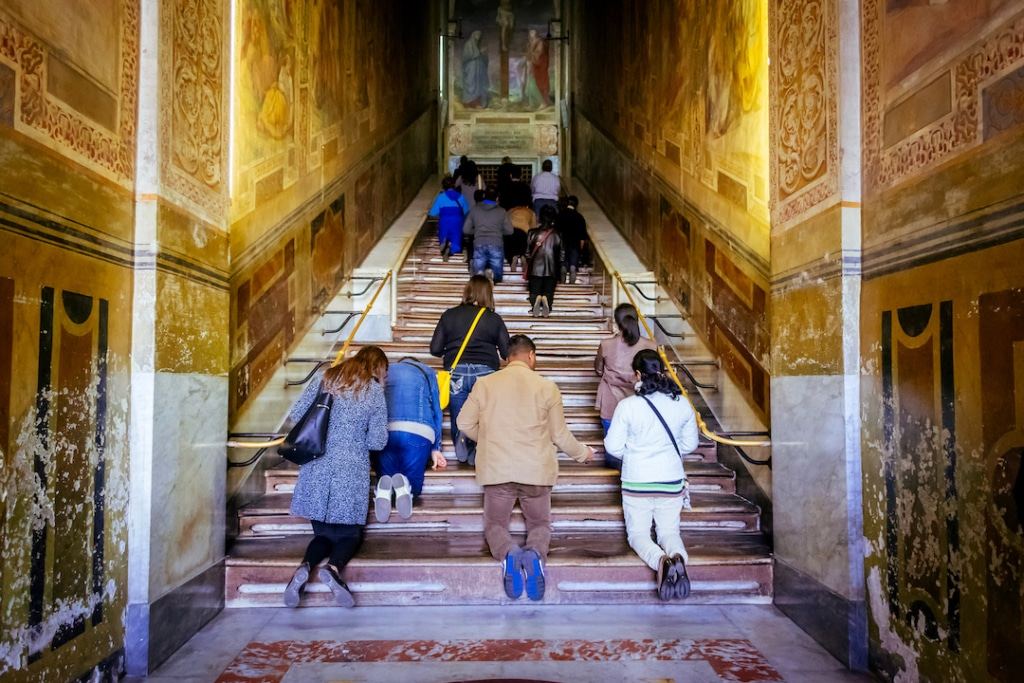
[(664, 511)]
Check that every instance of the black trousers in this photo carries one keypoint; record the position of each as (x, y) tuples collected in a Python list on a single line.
[(543, 286), (340, 542)]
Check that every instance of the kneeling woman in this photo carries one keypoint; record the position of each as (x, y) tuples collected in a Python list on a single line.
[(333, 491), (651, 432)]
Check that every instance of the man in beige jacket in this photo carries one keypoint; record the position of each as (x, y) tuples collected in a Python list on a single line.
[(515, 416)]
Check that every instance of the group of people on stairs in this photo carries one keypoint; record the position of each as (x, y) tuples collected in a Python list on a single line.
[(507, 421), (531, 228)]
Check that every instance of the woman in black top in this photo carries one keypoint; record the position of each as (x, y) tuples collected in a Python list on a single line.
[(483, 355)]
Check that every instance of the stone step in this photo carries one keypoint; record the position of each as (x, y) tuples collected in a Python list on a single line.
[(456, 569), (594, 511), (459, 478), (431, 296)]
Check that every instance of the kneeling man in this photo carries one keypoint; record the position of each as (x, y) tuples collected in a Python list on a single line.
[(515, 416)]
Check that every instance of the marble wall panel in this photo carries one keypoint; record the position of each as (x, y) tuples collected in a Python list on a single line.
[(683, 87), (188, 527)]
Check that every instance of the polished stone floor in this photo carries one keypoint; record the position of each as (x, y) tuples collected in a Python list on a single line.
[(523, 642)]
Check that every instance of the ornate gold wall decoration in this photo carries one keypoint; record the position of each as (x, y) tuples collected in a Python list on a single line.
[(804, 110), (59, 126), (194, 102), (961, 129)]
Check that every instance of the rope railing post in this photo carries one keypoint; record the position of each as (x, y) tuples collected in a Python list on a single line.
[(264, 445), (701, 424)]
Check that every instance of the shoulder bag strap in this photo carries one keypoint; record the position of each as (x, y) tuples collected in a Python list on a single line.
[(664, 424), (465, 341), (540, 243)]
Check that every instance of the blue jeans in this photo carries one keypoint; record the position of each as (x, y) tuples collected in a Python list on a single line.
[(609, 459), (539, 204), (489, 256), (406, 454), (463, 379)]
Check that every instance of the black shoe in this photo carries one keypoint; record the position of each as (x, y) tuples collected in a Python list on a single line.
[(342, 595), (294, 588), (682, 579), (446, 251), (666, 575), (572, 275)]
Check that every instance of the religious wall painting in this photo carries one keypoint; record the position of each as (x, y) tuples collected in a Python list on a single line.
[(269, 42), (365, 199), (503, 60), (1001, 344)]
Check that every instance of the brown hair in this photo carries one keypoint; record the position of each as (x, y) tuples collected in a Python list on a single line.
[(479, 291), (356, 373)]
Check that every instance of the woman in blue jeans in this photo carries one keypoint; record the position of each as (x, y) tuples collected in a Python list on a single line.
[(414, 437), (487, 347)]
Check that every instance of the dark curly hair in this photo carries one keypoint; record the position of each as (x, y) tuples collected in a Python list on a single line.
[(653, 377)]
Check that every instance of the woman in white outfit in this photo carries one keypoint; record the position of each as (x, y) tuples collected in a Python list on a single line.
[(651, 432)]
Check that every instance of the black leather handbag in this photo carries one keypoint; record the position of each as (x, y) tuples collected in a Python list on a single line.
[(307, 440)]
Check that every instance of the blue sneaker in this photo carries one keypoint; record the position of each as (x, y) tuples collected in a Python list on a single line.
[(534, 568), (512, 574)]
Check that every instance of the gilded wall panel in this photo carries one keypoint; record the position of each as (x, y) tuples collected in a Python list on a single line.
[(804, 107), (195, 109), (76, 88)]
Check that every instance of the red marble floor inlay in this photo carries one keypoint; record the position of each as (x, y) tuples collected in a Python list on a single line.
[(731, 659)]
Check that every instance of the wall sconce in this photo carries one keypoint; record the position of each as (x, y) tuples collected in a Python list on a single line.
[(454, 29), (555, 30)]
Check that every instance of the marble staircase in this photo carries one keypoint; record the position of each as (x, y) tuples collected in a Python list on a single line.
[(438, 556)]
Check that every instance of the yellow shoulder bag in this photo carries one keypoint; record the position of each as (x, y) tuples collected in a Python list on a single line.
[(444, 377)]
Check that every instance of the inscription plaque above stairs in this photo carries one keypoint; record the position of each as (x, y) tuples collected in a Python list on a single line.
[(438, 556)]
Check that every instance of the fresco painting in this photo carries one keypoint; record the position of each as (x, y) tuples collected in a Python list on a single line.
[(503, 61)]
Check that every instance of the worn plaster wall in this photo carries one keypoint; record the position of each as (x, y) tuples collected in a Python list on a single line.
[(335, 130), (671, 136), (943, 338), (67, 134)]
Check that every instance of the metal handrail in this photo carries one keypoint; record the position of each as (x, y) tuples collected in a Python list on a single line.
[(348, 316), (636, 285), (701, 424), (657, 321), (371, 278), (263, 445), (689, 376)]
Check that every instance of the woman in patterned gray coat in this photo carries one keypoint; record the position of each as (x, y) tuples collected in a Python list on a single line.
[(333, 491)]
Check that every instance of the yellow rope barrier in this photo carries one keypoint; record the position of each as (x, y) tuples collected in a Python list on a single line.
[(337, 359), (675, 377)]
